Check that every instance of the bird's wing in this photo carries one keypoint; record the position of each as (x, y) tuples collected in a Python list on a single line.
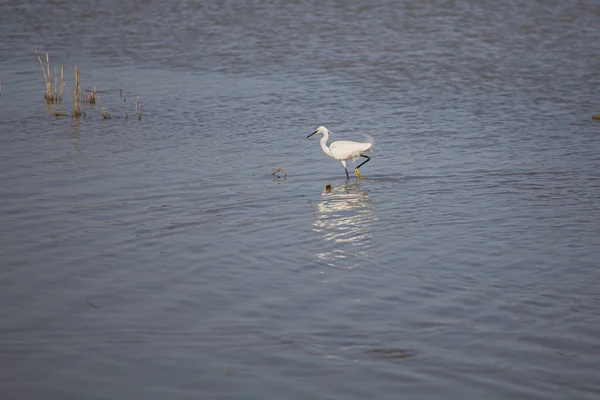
[(346, 149), (347, 145)]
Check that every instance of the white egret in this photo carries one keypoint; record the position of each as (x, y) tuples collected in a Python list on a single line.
[(343, 150)]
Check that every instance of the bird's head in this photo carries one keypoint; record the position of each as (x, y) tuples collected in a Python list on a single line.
[(320, 131)]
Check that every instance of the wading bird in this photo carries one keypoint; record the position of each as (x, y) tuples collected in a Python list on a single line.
[(343, 150)]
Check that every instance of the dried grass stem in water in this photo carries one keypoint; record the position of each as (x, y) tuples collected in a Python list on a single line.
[(103, 110), (51, 96), (91, 97), (138, 108), (76, 110)]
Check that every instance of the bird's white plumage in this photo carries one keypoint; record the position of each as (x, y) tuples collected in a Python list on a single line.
[(348, 150), (343, 150)]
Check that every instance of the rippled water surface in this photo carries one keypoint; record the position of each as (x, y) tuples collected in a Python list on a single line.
[(160, 258)]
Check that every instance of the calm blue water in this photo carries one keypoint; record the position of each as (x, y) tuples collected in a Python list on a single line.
[(161, 259)]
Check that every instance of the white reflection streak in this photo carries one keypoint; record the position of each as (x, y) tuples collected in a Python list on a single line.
[(343, 218)]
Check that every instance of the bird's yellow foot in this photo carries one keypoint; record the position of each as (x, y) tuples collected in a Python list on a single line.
[(357, 172)]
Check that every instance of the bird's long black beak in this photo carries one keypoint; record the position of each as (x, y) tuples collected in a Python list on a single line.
[(311, 134)]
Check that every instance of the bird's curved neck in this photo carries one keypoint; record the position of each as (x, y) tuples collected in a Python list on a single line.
[(324, 140)]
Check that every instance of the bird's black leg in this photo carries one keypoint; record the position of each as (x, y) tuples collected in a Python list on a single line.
[(347, 176), (364, 162), (361, 164)]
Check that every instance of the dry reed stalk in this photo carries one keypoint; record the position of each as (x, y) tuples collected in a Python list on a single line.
[(76, 111), (91, 97), (138, 108), (46, 77), (49, 80), (55, 84), (104, 111), (50, 96), (62, 82)]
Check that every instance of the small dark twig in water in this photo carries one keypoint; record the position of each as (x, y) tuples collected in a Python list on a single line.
[(391, 353), (92, 305), (279, 170)]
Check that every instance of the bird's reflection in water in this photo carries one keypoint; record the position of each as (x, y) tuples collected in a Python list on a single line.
[(344, 215)]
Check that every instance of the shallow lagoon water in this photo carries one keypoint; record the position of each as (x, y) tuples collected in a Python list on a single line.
[(161, 259)]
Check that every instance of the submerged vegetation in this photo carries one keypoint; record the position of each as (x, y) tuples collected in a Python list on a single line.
[(84, 101)]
